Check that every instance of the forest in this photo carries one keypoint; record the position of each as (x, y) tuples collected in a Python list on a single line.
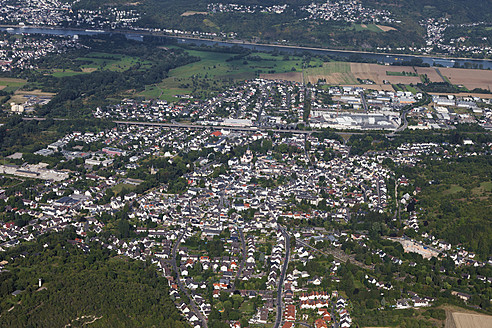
[(78, 288)]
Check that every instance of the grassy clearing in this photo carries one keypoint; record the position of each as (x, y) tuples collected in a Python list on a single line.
[(484, 188), (453, 189), (118, 188), (63, 73), (112, 62), (364, 27), (247, 307)]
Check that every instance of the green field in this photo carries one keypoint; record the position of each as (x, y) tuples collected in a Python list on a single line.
[(216, 70), (389, 73), (483, 189), (112, 62), (411, 89), (67, 72), (397, 87), (118, 188), (247, 308), (9, 85), (365, 27), (453, 189)]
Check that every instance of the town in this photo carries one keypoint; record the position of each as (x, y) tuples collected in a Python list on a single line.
[(245, 180), (226, 243), (280, 104)]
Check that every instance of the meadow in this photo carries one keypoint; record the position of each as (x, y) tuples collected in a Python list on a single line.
[(9, 84), (217, 70)]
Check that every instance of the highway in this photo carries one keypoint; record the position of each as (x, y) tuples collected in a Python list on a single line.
[(280, 303), (405, 123), (200, 126)]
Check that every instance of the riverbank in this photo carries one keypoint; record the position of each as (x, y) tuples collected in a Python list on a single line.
[(383, 58)]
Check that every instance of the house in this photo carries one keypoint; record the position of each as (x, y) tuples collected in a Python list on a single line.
[(320, 323), (290, 312), (263, 316)]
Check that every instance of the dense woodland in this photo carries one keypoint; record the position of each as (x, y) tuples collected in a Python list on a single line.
[(81, 287)]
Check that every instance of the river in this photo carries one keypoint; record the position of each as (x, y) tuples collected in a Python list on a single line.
[(378, 57)]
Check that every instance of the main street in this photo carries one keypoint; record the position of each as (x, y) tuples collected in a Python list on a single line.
[(280, 303)]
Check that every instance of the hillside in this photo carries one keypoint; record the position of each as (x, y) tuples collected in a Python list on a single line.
[(79, 288)]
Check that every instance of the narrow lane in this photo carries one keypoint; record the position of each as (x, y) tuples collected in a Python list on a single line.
[(280, 304), (193, 305)]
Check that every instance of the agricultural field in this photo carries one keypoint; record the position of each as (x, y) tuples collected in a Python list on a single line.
[(385, 28), (367, 27), (68, 72), (9, 84), (216, 70), (290, 76), (468, 320), (430, 72), (470, 78), (331, 73), (380, 73)]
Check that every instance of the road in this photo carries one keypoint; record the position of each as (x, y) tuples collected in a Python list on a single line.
[(280, 303), (199, 126), (194, 308), (405, 122), (364, 102), (243, 260), (226, 127)]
